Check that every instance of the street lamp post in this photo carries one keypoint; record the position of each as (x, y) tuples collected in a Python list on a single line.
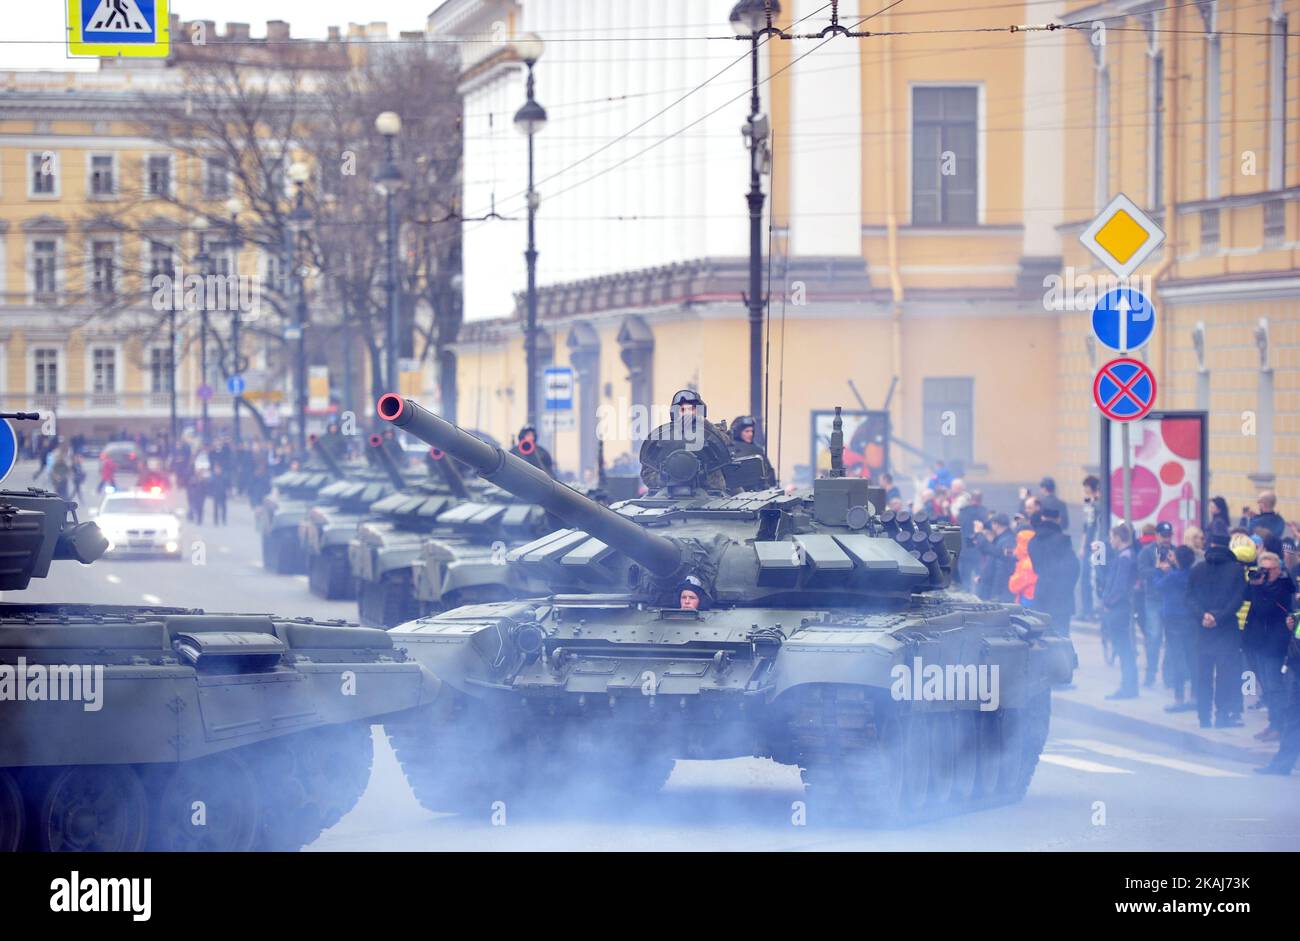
[(389, 180), (751, 19), (530, 119), (204, 261), (171, 370), (234, 206), (299, 220)]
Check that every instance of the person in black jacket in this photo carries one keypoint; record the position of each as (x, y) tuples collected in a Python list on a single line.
[(1217, 586), (998, 556), (1117, 609), (1264, 640), (1048, 500), (1052, 556)]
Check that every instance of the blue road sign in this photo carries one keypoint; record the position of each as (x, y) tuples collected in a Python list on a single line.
[(1124, 319), (1125, 389), (119, 21), (235, 385), (8, 448), (559, 388)]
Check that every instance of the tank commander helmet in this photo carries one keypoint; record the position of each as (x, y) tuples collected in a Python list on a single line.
[(688, 402), (739, 426), (692, 595)]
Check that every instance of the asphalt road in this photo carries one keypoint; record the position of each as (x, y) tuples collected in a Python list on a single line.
[(1094, 790)]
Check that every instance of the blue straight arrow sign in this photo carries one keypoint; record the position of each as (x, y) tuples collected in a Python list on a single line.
[(1124, 320)]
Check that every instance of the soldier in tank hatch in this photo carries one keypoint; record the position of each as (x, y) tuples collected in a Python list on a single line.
[(532, 452), (743, 447)]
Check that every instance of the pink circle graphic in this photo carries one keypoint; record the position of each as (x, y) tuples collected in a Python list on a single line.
[(1145, 493), (1183, 437), (1172, 473)]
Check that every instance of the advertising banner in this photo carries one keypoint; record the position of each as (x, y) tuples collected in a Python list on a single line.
[(866, 442), (1169, 470)]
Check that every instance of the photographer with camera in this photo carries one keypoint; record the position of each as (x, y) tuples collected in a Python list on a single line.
[(1169, 581), (1159, 551), (1271, 593)]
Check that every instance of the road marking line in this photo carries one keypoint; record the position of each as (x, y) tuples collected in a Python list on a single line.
[(151, 599), (1080, 764), (113, 579), (1117, 751)]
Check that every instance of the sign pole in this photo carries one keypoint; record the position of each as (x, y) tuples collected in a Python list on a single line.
[(1127, 477)]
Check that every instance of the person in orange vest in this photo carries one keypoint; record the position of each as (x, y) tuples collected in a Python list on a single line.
[(1023, 578)]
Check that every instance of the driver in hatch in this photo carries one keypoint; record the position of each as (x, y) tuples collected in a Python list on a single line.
[(692, 595)]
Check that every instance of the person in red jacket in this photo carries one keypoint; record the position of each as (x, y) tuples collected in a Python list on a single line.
[(107, 472)]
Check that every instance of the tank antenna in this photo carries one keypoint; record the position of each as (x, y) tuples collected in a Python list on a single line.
[(837, 445)]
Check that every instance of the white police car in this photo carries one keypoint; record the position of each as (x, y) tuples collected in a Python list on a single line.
[(139, 522)]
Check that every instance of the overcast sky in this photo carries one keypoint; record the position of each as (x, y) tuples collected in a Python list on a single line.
[(35, 39)]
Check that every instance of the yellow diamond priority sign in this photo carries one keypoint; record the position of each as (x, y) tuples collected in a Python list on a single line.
[(1122, 236)]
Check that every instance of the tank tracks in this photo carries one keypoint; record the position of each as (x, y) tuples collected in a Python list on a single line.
[(461, 756), (279, 794), (869, 760)]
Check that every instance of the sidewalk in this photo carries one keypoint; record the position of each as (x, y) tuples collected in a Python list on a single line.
[(1145, 715)]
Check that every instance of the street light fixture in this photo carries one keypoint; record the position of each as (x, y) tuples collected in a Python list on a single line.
[(388, 181), (234, 206), (752, 20), (299, 221), (530, 119)]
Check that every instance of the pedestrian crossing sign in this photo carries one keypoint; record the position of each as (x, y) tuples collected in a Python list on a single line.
[(112, 28)]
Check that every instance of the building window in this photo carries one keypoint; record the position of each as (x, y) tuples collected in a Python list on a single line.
[(103, 365), (1277, 105), (1156, 131), (158, 175), (1209, 231), (945, 156), (45, 268), (948, 410), (103, 180), (103, 264), (43, 179), (218, 254), (45, 363), (216, 179), (160, 369), (1274, 222), (161, 261)]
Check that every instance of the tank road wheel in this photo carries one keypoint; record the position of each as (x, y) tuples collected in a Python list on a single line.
[(93, 808), (988, 736), (286, 553), (460, 755), (942, 729), (863, 758), (388, 602), (1036, 718), (211, 804), (308, 781), (330, 577), (965, 766), (13, 817)]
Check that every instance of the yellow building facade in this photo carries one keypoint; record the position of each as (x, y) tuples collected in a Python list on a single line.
[(959, 309)]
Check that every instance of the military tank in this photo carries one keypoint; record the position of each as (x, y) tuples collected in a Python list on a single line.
[(383, 549), (282, 511), (332, 520), (808, 627), (131, 727)]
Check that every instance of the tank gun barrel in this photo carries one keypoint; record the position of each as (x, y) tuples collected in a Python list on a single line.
[(438, 459), (326, 458), (386, 462), (656, 553)]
